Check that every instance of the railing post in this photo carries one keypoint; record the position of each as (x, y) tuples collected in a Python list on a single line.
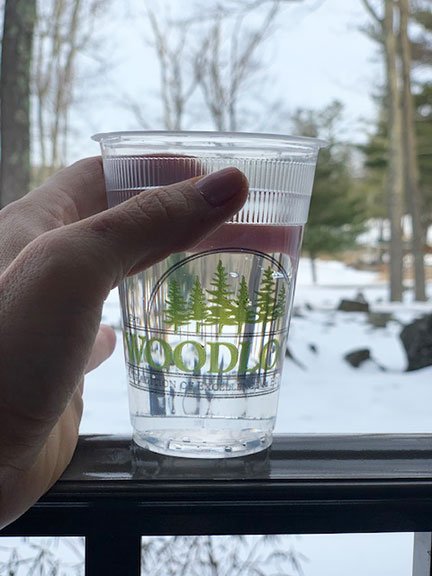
[(113, 551), (422, 554)]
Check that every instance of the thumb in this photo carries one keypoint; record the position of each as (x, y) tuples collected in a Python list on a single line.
[(53, 292)]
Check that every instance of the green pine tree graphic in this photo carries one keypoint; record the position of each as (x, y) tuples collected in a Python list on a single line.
[(176, 311), (241, 309), (220, 308), (197, 305), (266, 297), (280, 303)]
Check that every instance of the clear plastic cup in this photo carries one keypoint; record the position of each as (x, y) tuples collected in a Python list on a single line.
[(205, 330)]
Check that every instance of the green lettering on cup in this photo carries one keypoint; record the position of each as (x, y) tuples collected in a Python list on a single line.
[(178, 358), (215, 363), (148, 353), (134, 348)]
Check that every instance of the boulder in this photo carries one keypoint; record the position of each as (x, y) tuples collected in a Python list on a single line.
[(379, 319), (360, 297), (353, 306), (357, 357), (296, 313), (417, 341)]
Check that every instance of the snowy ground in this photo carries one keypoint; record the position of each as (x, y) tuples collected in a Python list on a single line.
[(326, 395)]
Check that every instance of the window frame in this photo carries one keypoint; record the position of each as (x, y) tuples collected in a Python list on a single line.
[(114, 492)]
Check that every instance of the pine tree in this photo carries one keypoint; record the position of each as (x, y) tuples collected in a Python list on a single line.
[(279, 310), (241, 308), (337, 212), (424, 139), (220, 306), (176, 311), (266, 297), (197, 304)]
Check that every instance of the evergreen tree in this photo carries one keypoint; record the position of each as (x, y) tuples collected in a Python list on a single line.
[(373, 183), (176, 311), (423, 101), (219, 303), (375, 153), (197, 304), (266, 297), (337, 212), (279, 310), (403, 31), (241, 309)]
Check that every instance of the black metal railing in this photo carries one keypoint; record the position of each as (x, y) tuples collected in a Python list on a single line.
[(113, 493)]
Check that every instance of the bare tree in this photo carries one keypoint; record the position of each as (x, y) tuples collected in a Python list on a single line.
[(413, 195), (395, 176), (391, 31), (385, 33), (220, 556), (64, 29), (177, 79), (226, 63), (18, 27), (215, 51), (249, 5)]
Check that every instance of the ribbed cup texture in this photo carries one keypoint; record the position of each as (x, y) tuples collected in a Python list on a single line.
[(279, 194)]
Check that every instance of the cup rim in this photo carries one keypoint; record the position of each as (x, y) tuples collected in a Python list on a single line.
[(250, 139)]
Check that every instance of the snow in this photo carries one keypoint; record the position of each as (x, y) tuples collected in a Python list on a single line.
[(326, 396)]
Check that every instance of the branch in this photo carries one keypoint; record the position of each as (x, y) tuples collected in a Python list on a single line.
[(227, 10), (372, 12), (135, 107)]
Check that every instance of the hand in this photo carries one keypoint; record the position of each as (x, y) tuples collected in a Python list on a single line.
[(61, 252)]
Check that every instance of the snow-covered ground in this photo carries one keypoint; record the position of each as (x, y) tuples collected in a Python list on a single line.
[(324, 395)]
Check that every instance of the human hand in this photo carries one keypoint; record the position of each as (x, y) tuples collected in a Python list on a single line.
[(61, 252)]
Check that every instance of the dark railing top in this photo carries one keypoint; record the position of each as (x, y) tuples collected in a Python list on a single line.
[(302, 484)]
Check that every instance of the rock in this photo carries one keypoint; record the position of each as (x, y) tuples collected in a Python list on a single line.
[(360, 297), (353, 306), (313, 348), (296, 313), (379, 319), (357, 357), (417, 341)]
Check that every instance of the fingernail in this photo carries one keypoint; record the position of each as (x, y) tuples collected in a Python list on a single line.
[(219, 187)]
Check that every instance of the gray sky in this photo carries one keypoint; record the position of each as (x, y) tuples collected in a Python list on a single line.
[(317, 55)]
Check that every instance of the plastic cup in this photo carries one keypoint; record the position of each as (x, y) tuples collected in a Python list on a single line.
[(205, 330)]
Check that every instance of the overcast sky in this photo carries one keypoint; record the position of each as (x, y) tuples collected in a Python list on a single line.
[(317, 55)]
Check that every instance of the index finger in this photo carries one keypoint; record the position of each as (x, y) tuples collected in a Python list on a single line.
[(73, 193), (78, 191)]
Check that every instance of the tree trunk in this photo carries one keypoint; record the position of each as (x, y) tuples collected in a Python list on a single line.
[(395, 161), (413, 194), (19, 21)]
